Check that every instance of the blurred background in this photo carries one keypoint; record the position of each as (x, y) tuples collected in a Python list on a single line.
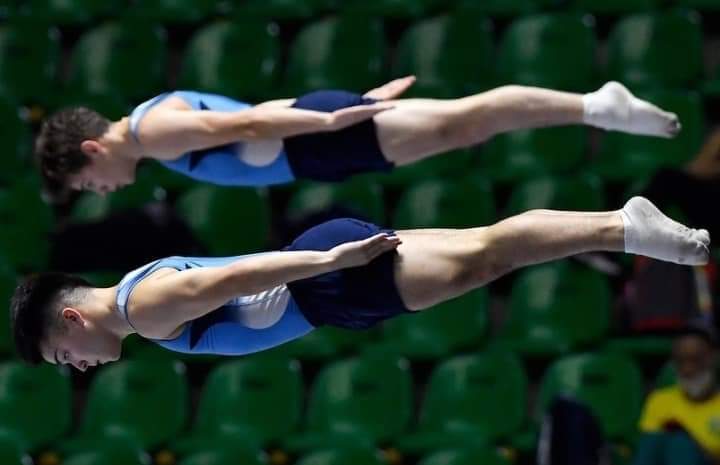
[(469, 383)]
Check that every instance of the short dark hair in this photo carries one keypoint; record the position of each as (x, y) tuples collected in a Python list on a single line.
[(57, 146), (31, 310)]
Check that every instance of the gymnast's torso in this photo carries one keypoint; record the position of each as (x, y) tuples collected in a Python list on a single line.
[(244, 325), (257, 163)]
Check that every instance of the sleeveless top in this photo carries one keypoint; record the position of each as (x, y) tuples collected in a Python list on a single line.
[(256, 163), (244, 325)]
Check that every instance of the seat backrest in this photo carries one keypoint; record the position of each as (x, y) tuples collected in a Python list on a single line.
[(438, 203), (29, 61), (239, 59), (262, 395), (35, 402), (608, 382), (356, 394), (148, 399), (450, 55), (549, 50), (344, 52), (485, 392), (123, 57), (559, 303), (657, 49)]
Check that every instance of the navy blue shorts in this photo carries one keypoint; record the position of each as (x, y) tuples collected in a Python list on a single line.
[(335, 155), (353, 298)]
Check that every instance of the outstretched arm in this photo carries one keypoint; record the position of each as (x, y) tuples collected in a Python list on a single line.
[(168, 133), (162, 304)]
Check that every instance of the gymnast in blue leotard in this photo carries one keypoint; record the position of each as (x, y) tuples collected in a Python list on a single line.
[(345, 273), (326, 135)]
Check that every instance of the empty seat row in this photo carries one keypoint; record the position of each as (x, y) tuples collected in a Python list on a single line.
[(258, 402), (451, 55)]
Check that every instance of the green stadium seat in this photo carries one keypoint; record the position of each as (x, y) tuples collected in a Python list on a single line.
[(451, 165), (11, 449), (15, 143), (609, 383), (111, 106), (94, 207), (578, 193), (397, 9), (363, 199), (471, 399), (255, 401), (626, 157), (352, 456), (235, 59), (468, 456), (174, 11), (327, 343), (451, 56), (68, 12), (7, 8), (555, 308), (35, 403), (108, 453), (337, 53), (666, 50), (549, 50), (282, 9), (29, 61), (437, 203), (503, 8), (439, 331), (27, 221), (229, 221), (520, 155), (710, 6), (350, 401), (146, 401), (615, 7), (224, 456), (90, 207), (123, 58)]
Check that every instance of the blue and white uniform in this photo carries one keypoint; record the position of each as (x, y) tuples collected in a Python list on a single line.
[(352, 298), (244, 325), (230, 165), (321, 156)]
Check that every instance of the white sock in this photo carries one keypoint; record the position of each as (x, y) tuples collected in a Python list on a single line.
[(650, 233), (614, 108)]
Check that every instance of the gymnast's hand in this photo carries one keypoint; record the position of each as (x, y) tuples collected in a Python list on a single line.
[(358, 253), (392, 89), (340, 119)]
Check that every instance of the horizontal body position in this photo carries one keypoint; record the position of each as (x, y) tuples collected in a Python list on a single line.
[(324, 136), (344, 273)]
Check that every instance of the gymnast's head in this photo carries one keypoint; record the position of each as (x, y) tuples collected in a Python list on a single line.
[(61, 319), (78, 148)]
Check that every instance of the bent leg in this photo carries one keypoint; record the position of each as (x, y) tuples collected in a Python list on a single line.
[(437, 265), (417, 128)]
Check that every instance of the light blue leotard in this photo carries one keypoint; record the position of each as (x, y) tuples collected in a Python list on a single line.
[(244, 325), (221, 165)]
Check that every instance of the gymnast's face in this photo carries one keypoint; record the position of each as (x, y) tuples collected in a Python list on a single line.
[(106, 171), (80, 343)]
